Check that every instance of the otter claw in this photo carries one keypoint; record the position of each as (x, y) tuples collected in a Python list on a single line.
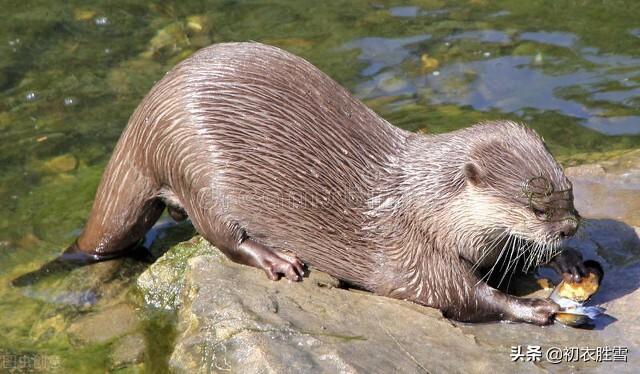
[(569, 264), (291, 268)]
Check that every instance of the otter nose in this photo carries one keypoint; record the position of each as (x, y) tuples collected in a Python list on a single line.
[(568, 228)]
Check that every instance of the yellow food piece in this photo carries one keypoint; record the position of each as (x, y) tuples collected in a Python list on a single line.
[(579, 291)]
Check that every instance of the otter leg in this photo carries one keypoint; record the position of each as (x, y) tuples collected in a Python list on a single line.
[(217, 228), (469, 299), (570, 262), (512, 308), (251, 253)]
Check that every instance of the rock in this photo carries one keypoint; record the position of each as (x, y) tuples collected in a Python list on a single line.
[(172, 38), (83, 14), (609, 189), (128, 350), (30, 240), (231, 317), (390, 83), (196, 23), (60, 164), (105, 325), (585, 171), (162, 282), (81, 287), (133, 75)]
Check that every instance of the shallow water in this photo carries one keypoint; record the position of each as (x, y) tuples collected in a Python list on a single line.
[(72, 73)]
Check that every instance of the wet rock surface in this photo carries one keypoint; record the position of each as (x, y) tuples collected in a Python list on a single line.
[(231, 317), (609, 189)]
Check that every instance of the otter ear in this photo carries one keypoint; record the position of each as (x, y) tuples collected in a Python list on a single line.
[(473, 173)]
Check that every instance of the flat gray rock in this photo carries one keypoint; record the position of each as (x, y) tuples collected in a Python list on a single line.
[(233, 318)]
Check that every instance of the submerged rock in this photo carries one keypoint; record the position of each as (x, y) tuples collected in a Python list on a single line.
[(105, 325), (60, 164), (128, 350)]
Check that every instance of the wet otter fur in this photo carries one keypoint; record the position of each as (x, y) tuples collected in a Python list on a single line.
[(276, 164)]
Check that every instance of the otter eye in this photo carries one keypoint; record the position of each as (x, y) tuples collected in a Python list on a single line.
[(541, 213)]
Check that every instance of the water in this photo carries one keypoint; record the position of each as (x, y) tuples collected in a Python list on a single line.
[(71, 73)]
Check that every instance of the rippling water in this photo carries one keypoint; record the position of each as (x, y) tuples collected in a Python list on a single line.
[(71, 73)]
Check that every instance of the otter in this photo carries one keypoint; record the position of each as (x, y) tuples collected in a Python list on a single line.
[(280, 167)]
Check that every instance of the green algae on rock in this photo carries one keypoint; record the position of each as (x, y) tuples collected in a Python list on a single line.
[(163, 281)]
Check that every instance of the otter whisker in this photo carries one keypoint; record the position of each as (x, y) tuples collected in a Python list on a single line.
[(518, 249), (528, 245), (502, 252), (508, 261), (491, 246)]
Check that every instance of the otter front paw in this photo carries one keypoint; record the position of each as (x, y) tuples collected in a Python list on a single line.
[(536, 311), (569, 263)]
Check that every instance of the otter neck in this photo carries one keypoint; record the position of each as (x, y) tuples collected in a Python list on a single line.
[(409, 213)]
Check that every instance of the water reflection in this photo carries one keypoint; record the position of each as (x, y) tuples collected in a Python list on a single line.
[(597, 93)]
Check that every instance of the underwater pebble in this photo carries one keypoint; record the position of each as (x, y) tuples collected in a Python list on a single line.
[(196, 23), (128, 350), (30, 240), (389, 83), (428, 62), (104, 325), (83, 14), (60, 164)]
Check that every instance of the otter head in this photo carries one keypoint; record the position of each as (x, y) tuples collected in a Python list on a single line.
[(519, 191)]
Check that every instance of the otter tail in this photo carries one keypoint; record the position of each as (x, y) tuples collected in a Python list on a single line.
[(126, 206)]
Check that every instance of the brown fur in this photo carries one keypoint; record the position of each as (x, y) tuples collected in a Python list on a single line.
[(255, 143)]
